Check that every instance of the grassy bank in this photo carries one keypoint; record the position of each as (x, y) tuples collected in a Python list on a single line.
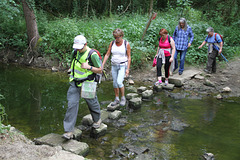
[(58, 35)]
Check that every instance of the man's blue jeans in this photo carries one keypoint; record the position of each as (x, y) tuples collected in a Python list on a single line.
[(182, 60)]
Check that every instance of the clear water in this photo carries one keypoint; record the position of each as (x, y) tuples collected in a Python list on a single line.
[(35, 102)]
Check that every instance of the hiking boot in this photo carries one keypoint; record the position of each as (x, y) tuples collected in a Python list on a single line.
[(68, 135), (158, 82), (166, 82), (123, 101), (115, 102), (180, 73), (97, 124)]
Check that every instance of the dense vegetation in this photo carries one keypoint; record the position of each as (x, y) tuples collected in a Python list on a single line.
[(3, 116), (60, 21)]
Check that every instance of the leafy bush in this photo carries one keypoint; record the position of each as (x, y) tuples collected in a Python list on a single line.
[(2, 116), (58, 33), (13, 30)]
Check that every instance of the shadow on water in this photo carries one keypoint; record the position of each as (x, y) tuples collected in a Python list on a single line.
[(35, 102)]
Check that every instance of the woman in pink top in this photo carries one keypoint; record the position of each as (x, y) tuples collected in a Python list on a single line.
[(165, 55)]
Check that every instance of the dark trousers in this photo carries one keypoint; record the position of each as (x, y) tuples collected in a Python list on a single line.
[(166, 66), (211, 63)]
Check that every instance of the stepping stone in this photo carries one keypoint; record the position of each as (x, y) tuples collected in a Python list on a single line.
[(135, 103), (87, 120), (51, 139), (147, 94), (141, 89), (131, 95), (131, 89), (104, 114), (158, 88), (101, 131), (79, 148), (115, 115), (77, 134), (168, 87), (54, 140), (178, 80)]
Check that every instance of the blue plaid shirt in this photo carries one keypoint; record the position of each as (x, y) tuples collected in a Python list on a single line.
[(181, 38)]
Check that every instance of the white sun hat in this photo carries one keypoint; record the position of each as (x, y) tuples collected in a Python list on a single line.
[(79, 42)]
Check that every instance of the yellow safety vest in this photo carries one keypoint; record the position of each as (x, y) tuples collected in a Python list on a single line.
[(78, 74)]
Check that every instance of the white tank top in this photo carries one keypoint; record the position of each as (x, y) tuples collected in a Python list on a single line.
[(119, 55)]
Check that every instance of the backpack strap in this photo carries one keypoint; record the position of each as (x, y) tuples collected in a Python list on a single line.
[(89, 55), (125, 43), (169, 40)]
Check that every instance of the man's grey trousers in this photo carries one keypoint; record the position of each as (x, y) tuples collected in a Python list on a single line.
[(73, 97)]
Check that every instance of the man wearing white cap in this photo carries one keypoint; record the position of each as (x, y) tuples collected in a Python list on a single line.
[(81, 71), (215, 45)]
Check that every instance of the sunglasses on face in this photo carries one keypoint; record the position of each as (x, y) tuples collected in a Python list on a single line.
[(117, 37)]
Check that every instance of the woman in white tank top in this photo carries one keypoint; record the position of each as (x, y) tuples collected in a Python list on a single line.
[(120, 61)]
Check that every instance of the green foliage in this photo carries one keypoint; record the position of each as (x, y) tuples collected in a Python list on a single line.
[(58, 33), (13, 30), (2, 116)]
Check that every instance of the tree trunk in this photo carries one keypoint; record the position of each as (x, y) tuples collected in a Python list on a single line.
[(110, 7), (150, 8), (70, 6), (31, 24), (87, 8)]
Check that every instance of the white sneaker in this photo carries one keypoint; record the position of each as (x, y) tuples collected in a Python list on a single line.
[(97, 124), (115, 102), (123, 101)]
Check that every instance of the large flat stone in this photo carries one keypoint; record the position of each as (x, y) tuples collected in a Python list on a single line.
[(178, 80), (73, 146), (51, 139), (64, 155), (79, 148)]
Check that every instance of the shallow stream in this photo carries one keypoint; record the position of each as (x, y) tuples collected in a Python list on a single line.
[(35, 102)]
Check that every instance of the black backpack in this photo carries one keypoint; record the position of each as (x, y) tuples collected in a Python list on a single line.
[(169, 40)]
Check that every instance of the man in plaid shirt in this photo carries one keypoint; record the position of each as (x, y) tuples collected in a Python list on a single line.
[(181, 37)]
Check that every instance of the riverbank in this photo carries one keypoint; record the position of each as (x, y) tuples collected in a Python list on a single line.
[(227, 76), (15, 146)]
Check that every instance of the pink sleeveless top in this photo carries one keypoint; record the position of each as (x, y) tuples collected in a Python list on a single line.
[(165, 45)]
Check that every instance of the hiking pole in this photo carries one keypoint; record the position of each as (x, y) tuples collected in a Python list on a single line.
[(225, 59), (104, 73)]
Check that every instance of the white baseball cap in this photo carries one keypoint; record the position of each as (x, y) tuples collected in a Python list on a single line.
[(210, 29), (79, 42)]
